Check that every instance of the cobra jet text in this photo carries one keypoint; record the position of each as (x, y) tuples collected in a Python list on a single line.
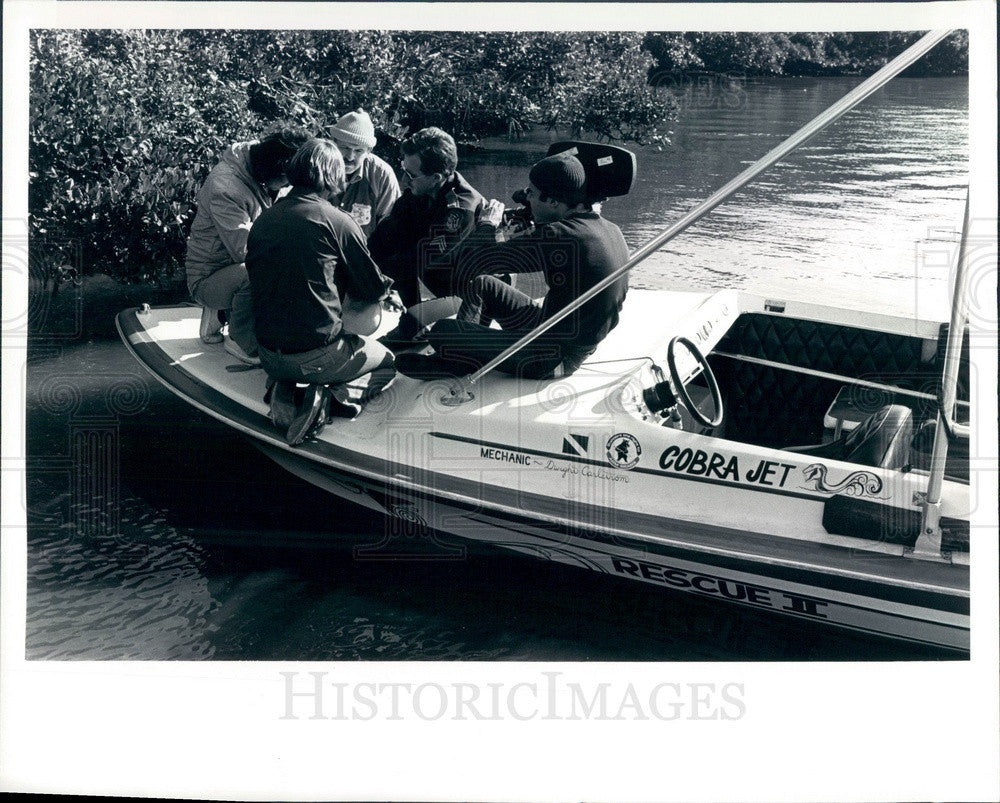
[(704, 464)]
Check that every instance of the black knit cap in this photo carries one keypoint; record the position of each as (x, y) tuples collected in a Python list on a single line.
[(561, 177)]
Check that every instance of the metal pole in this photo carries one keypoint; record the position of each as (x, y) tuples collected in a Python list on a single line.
[(929, 540), (861, 383), (831, 115)]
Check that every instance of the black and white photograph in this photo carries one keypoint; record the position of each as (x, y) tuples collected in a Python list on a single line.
[(389, 385)]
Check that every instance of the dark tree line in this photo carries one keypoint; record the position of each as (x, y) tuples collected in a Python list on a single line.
[(798, 54)]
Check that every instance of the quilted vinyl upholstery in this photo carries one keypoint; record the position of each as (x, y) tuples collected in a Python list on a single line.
[(823, 346), (774, 407), (770, 407), (882, 440)]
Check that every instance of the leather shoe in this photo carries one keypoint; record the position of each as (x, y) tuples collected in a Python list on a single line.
[(430, 366), (310, 417), (398, 339), (282, 400), (342, 409)]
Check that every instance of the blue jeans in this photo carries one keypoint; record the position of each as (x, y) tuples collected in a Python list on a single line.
[(469, 343)]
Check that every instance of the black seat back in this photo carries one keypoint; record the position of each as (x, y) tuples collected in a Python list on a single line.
[(610, 170), (882, 440)]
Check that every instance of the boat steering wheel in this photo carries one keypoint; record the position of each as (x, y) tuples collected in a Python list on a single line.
[(682, 394)]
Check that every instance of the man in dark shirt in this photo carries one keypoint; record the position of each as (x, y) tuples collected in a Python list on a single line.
[(436, 211), (572, 245), (304, 256)]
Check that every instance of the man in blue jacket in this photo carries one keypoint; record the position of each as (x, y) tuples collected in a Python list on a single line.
[(417, 242)]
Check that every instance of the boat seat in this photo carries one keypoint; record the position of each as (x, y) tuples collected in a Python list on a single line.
[(778, 407), (882, 440), (956, 463)]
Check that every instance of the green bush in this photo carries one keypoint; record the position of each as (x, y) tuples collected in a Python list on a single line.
[(125, 125), (123, 129)]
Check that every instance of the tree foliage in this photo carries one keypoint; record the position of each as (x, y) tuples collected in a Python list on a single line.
[(123, 128), (838, 53), (125, 125)]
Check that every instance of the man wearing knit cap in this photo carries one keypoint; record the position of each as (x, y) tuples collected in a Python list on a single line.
[(372, 188), (436, 211), (572, 245)]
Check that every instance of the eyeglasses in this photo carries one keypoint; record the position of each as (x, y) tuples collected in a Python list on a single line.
[(408, 174)]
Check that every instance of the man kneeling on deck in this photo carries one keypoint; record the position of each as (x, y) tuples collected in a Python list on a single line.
[(572, 245), (304, 256)]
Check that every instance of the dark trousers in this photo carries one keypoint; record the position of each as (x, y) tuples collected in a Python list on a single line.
[(356, 368), (406, 277), (469, 343), (489, 299)]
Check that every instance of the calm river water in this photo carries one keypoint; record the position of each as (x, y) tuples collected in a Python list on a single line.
[(195, 545)]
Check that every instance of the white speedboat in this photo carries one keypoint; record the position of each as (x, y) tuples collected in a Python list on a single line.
[(586, 470), (766, 452)]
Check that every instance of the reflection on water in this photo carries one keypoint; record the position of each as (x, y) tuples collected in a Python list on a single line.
[(155, 533), (141, 596), (207, 549), (843, 217)]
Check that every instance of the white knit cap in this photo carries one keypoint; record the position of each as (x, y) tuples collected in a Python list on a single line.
[(355, 128)]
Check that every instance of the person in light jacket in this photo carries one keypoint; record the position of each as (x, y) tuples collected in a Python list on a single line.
[(242, 185)]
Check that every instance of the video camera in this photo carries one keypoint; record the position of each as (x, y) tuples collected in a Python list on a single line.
[(519, 216), (610, 172)]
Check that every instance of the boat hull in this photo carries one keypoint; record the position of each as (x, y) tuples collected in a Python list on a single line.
[(430, 483), (861, 600)]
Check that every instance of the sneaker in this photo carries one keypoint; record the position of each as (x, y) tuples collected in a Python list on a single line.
[(234, 348), (211, 328)]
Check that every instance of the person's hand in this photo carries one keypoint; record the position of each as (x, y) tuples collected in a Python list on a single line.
[(492, 213), (393, 303)]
